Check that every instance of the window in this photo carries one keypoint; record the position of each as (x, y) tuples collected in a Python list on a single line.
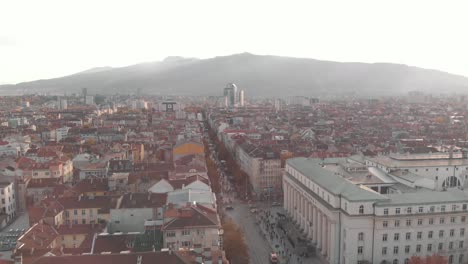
[(464, 207), (186, 232), (429, 235), (408, 236), (450, 260), (170, 234), (420, 221), (186, 243), (441, 233), (462, 231), (384, 251), (397, 210), (421, 209), (395, 261), (418, 248), (407, 249), (361, 236), (83, 212), (431, 221), (408, 222), (359, 250), (385, 224), (452, 219), (429, 247), (396, 236), (361, 209), (460, 244), (409, 210), (395, 250), (75, 212), (441, 220), (384, 237), (463, 219), (397, 223), (452, 232), (441, 246), (419, 235), (442, 208), (385, 211), (432, 209), (83, 221), (454, 207), (460, 258)]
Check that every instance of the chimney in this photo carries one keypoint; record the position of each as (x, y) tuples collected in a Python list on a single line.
[(139, 259)]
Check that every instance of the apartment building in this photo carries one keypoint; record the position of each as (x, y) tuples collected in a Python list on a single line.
[(263, 166), (8, 199)]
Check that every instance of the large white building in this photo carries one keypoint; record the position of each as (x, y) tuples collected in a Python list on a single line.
[(382, 209)]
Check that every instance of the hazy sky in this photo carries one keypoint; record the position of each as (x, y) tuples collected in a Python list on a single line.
[(44, 39)]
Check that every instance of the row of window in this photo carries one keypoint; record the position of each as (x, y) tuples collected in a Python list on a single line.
[(407, 249), (184, 233), (451, 260), (419, 235), (420, 222), (432, 209), (75, 222), (83, 212)]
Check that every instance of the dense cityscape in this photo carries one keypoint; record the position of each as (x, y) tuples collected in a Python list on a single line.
[(231, 179)]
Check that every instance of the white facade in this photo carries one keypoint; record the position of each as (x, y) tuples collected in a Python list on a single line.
[(8, 199), (351, 223)]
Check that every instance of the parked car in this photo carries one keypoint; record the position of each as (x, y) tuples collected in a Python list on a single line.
[(275, 204), (229, 207)]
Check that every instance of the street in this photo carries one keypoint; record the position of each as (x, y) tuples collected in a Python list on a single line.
[(259, 248), (22, 222), (262, 238)]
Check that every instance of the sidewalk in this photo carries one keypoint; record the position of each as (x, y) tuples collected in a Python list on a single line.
[(266, 219)]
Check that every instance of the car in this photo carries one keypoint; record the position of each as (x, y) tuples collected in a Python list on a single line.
[(229, 207), (273, 258), (275, 204), (254, 210)]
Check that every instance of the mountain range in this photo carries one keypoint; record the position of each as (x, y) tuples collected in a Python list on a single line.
[(258, 75)]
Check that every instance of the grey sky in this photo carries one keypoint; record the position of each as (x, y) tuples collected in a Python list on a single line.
[(44, 39)]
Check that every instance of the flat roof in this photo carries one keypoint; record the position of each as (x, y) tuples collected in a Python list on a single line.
[(393, 163), (331, 182), (426, 197)]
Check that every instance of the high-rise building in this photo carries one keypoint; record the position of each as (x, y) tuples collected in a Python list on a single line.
[(84, 93), (241, 98), (233, 97), (230, 92), (62, 104)]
